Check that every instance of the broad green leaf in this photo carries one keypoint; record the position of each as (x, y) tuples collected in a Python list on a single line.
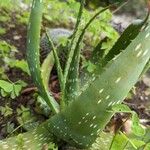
[(121, 108), (22, 64), (136, 143), (17, 89), (6, 86), (12, 94), (119, 142), (136, 127), (3, 93)]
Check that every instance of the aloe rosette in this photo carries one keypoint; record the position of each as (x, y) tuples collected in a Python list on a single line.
[(82, 120)]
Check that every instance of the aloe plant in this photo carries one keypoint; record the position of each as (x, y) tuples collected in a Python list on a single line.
[(84, 111)]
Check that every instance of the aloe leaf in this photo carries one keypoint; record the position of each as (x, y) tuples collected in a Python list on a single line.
[(35, 139), (59, 69), (122, 43), (126, 38), (87, 77), (103, 142), (72, 84), (98, 53), (72, 44), (146, 68), (41, 107), (33, 53), (46, 69), (110, 88), (49, 61), (58, 66)]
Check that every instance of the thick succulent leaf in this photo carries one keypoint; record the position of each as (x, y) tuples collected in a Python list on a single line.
[(47, 68), (126, 38), (42, 107), (46, 51), (36, 139), (98, 52), (48, 63), (33, 53), (71, 72), (103, 142), (57, 61), (56, 34), (72, 84), (146, 68), (74, 39), (98, 55), (87, 77), (71, 89), (85, 117)]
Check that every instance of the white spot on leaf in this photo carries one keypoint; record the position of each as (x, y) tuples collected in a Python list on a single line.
[(99, 101), (138, 47), (107, 97), (100, 91), (144, 54), (118, 79), (147, 35), (139, 53)]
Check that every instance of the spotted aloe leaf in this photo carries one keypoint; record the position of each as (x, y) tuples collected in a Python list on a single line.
[(130, 33), (33, 53), (110, 88), (48, 63), (46, 69), (72, 84), (98, 57), (68, 86), (58, 65), (37, 139), (98, 53), (146, 68)]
